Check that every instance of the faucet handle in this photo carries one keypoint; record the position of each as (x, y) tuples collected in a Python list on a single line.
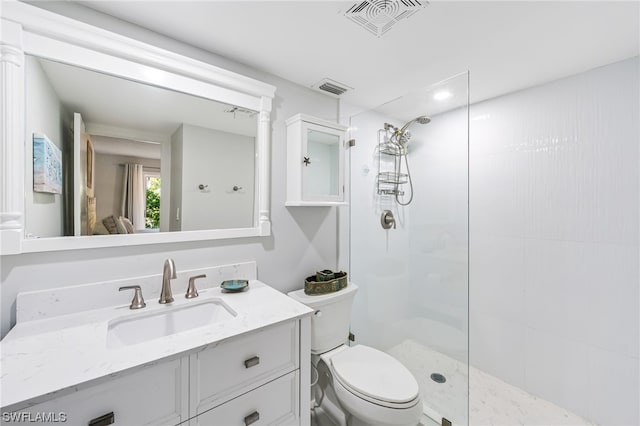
[(191, 289), (138, 300)]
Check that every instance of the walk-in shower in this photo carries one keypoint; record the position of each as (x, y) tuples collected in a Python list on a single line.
[(409, 167)]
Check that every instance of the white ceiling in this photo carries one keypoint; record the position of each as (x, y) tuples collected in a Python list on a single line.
[(126, 147), (506, 46)]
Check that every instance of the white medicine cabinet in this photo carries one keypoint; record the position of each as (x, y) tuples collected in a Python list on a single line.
[(315, 162)]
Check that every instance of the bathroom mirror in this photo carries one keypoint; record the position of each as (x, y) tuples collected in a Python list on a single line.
[(321, 179), (156, 159), (97, 126)]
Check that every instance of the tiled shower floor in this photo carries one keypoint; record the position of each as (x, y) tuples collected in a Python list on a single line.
[(491, 402)]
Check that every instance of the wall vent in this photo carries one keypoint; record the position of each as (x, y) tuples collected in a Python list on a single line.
[(331, 87), (378, 16)]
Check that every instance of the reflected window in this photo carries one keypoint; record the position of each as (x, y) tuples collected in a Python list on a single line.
[(152, 207)]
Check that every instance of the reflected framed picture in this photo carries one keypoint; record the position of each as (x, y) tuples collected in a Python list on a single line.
[(47, 165)]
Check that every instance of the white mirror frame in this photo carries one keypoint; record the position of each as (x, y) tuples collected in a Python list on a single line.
[(29, 30)]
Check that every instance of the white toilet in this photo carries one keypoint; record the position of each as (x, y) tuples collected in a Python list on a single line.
[(369, 386)]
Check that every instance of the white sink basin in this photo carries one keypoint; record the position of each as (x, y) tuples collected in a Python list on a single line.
[(131, 331)]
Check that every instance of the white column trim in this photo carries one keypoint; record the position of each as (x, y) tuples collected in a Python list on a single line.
[(264, 166), (11, 139)]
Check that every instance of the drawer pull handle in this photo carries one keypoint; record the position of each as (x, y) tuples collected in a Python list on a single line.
[(251, 362), (103, 420), (252, 418)]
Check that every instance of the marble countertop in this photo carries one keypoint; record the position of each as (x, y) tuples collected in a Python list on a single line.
[(43, 358)]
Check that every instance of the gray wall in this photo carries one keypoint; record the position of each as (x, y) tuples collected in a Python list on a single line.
[(45, 112), (302, 241), (219, 160)]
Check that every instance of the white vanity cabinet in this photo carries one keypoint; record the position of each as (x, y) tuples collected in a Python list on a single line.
[(315, 162), (241, 364), (153, 395), (275, 403), (253, 378)]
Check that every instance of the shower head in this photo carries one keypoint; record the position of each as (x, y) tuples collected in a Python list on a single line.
[(403, 135), (423, 119)]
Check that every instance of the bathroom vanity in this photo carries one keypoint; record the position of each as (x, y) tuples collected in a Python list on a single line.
[(221, 358)]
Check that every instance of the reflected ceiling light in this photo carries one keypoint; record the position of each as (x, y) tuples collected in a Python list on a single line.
[(442, 95), (481, 117)]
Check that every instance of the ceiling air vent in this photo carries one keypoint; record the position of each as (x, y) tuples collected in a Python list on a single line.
[(331, 87), (378, 16)]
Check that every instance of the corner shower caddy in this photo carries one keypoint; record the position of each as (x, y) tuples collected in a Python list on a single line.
[(389, 176)]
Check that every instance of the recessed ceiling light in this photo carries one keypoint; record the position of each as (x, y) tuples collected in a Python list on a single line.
[(442, 95)]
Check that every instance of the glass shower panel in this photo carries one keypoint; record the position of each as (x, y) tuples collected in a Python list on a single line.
[(411, 158)]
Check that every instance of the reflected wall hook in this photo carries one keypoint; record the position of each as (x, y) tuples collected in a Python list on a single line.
[(202, 187), (236, 188)]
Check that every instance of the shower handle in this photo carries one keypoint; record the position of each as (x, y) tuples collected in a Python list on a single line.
[(387, 220)]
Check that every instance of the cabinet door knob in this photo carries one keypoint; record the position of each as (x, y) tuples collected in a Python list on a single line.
[(251, 362), (252, 418), (103, 420)]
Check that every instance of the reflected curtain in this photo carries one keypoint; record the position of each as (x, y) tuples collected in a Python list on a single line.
[(133, 195)]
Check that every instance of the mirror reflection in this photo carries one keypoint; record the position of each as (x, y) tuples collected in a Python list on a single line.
[(323, 150), (106, 155)]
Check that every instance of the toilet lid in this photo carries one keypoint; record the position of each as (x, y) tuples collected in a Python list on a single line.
[(375, 374)]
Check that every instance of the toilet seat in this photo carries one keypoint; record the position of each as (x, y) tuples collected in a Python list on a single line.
[(375, 376)]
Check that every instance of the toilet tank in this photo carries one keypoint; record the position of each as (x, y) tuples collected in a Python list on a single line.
[(330, 321)]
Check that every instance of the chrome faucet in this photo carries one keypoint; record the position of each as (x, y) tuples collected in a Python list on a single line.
[(168, 273)]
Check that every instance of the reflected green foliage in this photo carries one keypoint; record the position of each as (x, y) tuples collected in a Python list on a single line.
[(152, 213)]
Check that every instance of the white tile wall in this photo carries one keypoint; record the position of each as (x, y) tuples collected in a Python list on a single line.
[(554, 369), (505, 284), (554, 259), (613, 388), (497, 346)]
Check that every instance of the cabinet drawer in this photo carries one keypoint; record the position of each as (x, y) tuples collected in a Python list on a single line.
[(155, 395), (231, 368), (275, 403)]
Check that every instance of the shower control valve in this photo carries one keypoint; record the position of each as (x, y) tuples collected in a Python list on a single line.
[(387, 220)]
